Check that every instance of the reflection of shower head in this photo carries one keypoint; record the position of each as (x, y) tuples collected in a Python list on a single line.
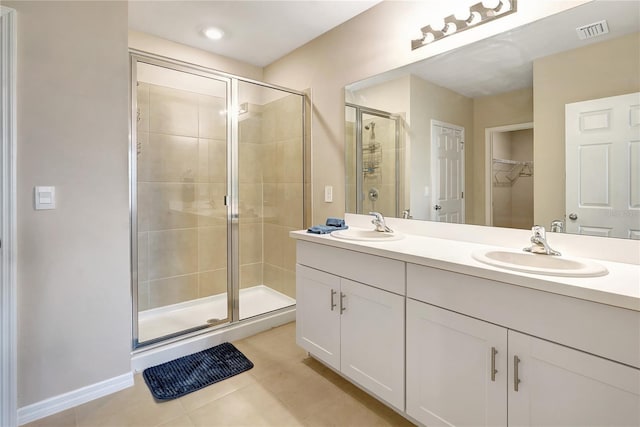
[(371, 126)]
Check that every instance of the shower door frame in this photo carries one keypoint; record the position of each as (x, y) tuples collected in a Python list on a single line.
[(231, 198), (360, 110)]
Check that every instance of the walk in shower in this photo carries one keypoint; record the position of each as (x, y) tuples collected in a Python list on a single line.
[(373, 156), (216, 185)]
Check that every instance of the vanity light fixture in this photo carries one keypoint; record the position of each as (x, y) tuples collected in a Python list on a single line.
[(478, 14)]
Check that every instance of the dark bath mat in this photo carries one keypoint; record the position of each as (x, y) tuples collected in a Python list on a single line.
[(195, 371)]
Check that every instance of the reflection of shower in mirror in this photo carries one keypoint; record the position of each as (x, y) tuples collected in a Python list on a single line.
[(373, 142)]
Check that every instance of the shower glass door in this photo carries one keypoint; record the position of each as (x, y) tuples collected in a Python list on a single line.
[(270, 196), (180, 216), (216, 187)]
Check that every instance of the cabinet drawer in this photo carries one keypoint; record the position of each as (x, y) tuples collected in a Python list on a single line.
[(603, 330), (380, 272)]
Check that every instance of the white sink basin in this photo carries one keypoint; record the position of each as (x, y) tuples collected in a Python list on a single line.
[(366, 235), (540, 264)]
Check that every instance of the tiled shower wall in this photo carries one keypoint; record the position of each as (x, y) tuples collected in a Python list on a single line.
[(182, 228), (283, 190), (181, 174)]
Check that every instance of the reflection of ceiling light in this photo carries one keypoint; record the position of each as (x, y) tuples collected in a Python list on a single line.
[(475, 15), (237, 111), (213, 33)]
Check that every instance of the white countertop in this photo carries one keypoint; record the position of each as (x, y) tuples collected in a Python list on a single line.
[(620, 288)]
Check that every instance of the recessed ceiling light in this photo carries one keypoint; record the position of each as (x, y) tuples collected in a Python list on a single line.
[(213, 33)]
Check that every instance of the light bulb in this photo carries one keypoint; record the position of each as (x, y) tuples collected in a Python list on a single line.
[(428, 38), (213, 33), (437, 24), (462, 13), (505, 5), (450, 28), (474, 18), (490, 4)]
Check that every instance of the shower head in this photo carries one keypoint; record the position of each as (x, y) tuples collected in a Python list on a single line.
[(370, 126)]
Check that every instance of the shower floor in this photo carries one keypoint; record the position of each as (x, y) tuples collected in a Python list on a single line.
[(161, 321)]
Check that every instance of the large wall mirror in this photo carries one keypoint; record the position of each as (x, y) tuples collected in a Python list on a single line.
[(538, 125)]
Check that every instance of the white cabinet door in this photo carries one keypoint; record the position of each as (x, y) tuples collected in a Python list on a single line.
[(318, 314), (560, 386), (372, 340), (456, 368)]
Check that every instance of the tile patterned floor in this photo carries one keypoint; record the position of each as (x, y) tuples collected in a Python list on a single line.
[(285, 388)]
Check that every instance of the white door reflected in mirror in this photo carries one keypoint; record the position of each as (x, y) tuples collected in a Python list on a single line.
[(602, 161)]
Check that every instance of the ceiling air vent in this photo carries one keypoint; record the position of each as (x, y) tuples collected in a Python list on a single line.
[(592, 30)]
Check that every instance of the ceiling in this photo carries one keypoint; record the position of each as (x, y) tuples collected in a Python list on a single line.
[(256, 32), (505, 62)]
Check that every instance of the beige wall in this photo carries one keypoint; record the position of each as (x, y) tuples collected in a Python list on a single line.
[(432, 102), (74, 293), (492, 111), (604, 69)]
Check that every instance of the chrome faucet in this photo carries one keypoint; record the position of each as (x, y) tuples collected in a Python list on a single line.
[(557, 226), (539, 243), (378, 221)]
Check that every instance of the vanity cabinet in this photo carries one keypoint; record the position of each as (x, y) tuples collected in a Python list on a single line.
[(469, 350), (456, 368), (353, 327), (561, 386), (463, 370), (318, 314)]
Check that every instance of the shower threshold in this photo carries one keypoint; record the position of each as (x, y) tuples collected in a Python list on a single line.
[(171, 319)]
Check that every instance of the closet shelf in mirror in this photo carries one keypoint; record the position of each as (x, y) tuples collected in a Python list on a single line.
[(506, 172)]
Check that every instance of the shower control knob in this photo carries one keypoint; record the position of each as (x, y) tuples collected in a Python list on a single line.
[(437, 207), (573, 216)]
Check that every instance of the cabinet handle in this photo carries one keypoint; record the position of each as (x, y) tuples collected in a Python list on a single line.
[(342, 308), (333, 303), (516, 380), (494, 371)]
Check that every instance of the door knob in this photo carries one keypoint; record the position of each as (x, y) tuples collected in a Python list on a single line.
[(573, 216), (437, 207)]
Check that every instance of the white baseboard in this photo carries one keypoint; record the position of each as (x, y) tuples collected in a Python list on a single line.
[(73, 398), (143, 359)]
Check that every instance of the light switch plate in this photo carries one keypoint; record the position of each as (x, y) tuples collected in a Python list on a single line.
[(328, 193), (45, 197)]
